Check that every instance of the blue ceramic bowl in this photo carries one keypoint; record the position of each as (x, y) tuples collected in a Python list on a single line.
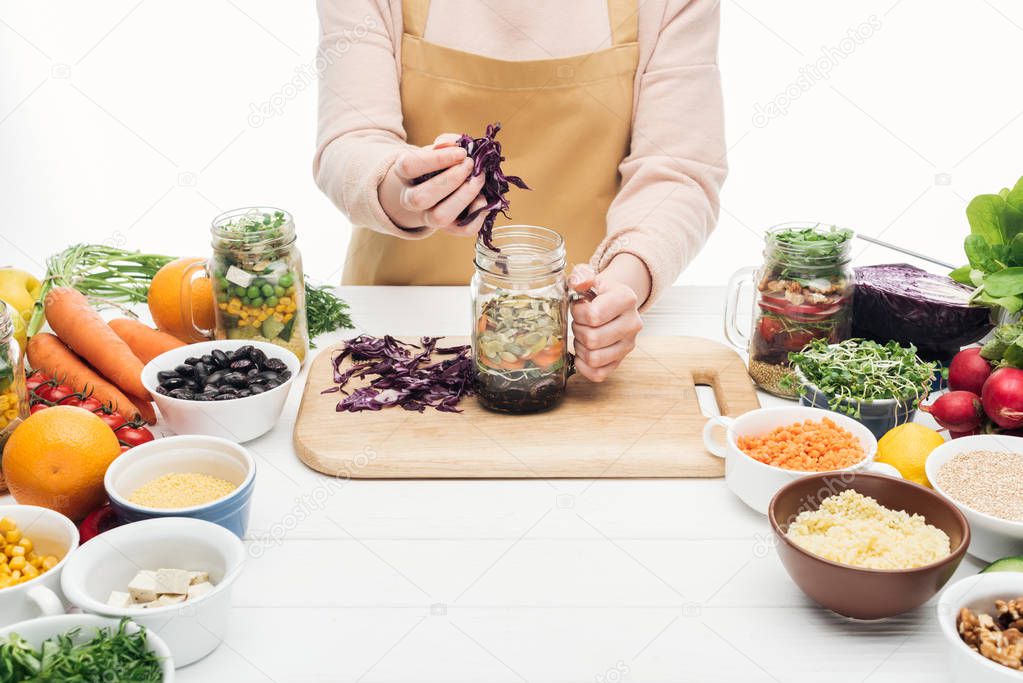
[(877, 416), (180, 454)]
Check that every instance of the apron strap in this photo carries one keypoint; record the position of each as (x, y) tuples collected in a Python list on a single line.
[(624, 18), (413, 14)]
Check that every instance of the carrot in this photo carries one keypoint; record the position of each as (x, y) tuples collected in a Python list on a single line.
[(145, 408), (48, 353), (80, 327), (145, 342)]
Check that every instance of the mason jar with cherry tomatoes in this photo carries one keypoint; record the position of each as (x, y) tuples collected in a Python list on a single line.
[(804, 291)]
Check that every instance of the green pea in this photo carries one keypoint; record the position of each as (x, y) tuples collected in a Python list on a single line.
[(258, 282), (267, 290), (222, 297), (252, 292), (271, 301), (286, 280), (238, 291), (246, 301), (257, 302), (224, 284), (278, 291)]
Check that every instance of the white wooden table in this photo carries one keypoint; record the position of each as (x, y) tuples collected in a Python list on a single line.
[(547, 580)]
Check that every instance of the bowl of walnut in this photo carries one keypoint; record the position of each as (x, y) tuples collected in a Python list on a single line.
[(982, 618)]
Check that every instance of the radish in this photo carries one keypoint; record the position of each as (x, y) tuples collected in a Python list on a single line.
[(957, 411), (968, 371), (1002, 398)]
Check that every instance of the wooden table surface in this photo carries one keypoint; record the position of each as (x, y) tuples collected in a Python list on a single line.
[(530, 580)]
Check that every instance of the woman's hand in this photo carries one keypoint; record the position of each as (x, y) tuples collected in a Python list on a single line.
[(437, 202), (605, 328)]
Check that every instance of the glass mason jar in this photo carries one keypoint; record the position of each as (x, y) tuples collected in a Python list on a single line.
[(256, 274), (13, 398), (804, 291), (520, 313)]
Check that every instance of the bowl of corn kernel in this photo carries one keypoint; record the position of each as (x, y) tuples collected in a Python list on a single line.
[(34, 544)]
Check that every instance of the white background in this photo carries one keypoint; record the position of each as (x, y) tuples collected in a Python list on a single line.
[(127, 120)]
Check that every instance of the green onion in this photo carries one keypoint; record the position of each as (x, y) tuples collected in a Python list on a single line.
[(110, 656)]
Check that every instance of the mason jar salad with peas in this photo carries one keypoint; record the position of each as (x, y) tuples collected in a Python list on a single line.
[(257, 278)]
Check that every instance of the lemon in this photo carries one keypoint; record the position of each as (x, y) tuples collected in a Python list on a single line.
[(906, 448)]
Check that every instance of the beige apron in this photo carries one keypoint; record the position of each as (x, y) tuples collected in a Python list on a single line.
[(566, 126)]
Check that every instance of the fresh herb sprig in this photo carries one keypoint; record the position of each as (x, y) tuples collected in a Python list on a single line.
[(325, 312), (112, 655), (861, 370)]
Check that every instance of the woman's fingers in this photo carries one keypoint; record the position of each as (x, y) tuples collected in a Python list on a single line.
[(447, 211), (446, 140), (428, 194), (608, 355), (622, 327), (594, 374), (469, 229), (418, 162), (608, 305)]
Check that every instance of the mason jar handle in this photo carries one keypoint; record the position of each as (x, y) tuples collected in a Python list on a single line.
[(193, 272), (739, 279)]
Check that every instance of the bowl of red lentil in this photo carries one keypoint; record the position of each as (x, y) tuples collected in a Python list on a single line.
[(980, 475), (203, 477), (767, 448)]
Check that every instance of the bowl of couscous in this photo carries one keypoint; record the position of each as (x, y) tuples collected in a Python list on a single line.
[(202, 477), (867, 546)]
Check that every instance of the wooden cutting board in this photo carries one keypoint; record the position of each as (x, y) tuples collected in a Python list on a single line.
[(643, 422)]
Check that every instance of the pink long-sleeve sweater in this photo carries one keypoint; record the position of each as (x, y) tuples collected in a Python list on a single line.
[(671, 178)]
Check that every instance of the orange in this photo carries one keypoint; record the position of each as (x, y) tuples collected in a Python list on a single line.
[(57, 458), (166, 302)]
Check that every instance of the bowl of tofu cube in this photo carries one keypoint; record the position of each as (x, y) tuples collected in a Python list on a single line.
[(172, 575)]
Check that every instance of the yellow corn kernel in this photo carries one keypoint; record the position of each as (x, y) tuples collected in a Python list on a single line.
[(9, 550), (285, 300), (26, 543), (49, 562), (30, 572), (17, 563), (243, 323), (17, 551), (12, 536), (7, 524), (16, 577)]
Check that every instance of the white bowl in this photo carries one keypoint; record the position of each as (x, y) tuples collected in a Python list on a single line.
[(756, 483), (53, 534), (238, 420), (191, 629), (993, 537), (978, 593), (36, 631)]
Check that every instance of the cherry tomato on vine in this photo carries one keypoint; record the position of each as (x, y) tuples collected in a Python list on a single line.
[(37, 407), (131, 434), (113, 420), (54, 393), (91, 404), (36, 380)]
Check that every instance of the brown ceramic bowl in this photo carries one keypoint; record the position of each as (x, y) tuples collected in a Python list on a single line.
[(853, 591)]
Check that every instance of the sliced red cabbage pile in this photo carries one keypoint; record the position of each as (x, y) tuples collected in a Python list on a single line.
[(402, 374), (486, 155)]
